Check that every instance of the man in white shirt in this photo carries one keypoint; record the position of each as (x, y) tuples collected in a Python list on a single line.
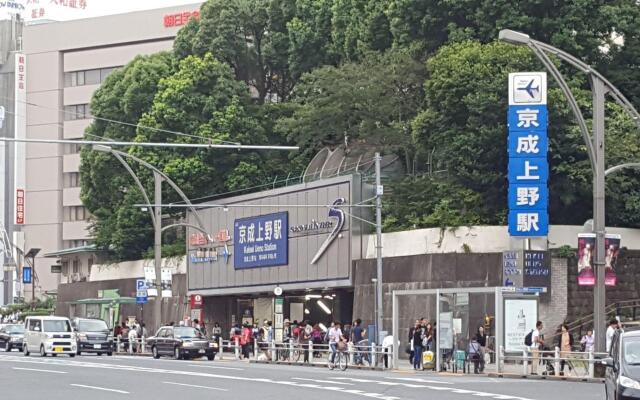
[(537, 342), (335, 335), (611, 330)]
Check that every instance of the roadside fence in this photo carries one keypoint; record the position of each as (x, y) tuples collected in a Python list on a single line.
[(577, 364)]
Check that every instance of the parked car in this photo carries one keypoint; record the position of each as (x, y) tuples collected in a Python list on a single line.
[(622, 377), (181, 342), (93, 336), (11, 337), (49, 335)]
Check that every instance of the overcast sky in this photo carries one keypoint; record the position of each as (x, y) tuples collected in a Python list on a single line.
[(57, 10)]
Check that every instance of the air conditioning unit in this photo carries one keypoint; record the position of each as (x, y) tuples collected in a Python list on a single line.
[(75, 277)]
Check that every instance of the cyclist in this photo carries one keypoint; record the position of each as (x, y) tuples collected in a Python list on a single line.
[(335, 336)]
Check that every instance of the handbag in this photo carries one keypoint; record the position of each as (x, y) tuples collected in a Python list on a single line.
[(342, 346)]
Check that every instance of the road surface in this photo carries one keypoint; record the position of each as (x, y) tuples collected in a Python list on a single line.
[(117, 377)]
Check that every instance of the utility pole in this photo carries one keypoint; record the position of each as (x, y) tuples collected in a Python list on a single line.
[(157, 247), (598, 90), (379, 192)]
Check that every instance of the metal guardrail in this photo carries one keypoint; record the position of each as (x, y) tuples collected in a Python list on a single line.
[(581, 364), (286, 352)]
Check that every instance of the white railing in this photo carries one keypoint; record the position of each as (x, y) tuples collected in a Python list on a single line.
[(549, 362), (293, 352)]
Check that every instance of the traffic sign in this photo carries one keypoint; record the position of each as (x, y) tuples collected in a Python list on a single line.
[(141, 291), (27, 275)]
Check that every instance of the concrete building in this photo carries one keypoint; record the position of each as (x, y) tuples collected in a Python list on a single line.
[(66, 62)]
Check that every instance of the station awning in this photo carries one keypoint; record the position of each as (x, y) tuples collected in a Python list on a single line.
[(91, 248)]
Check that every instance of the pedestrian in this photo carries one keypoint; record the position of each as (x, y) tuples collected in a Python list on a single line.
[(245, 341), (410, 347), (357, 336), (481, 338), (537, 341), (565, 343), (346, 332), (305, 338), (417, 344), (217, 330), (611, 330), (132, 335), (588, 342), (316, 338), (387, 346), (475, 354), (335, 337)]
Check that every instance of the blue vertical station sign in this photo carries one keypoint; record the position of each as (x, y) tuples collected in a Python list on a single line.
[(528, 119)]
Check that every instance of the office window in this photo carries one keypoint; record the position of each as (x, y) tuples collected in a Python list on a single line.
[(72, 148), (87, 77), (77, 111), (75, 213), (71, 179)]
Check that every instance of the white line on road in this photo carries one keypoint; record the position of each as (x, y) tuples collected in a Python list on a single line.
[(39, 370), (421, 380), (215, 367), (196, 386), (99, 388), (321, 381)]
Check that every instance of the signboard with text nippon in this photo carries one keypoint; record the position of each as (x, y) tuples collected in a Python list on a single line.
[(261, 241), (527, 120)]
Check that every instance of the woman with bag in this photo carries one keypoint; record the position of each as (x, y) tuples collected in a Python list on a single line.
[(417, 344)]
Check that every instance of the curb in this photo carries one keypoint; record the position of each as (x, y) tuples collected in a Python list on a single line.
[(545, 377), (317, 365)]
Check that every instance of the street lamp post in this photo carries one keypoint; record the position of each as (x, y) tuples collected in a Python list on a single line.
[(595, 144), (156, 213)]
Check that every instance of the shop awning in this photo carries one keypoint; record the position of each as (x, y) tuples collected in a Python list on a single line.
[(115, 300), (91, 248)]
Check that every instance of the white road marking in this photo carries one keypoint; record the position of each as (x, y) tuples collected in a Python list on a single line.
[(215, 367), (321, 381), (421, 380), (196, 386), (39, 370), (99, 388), (380, 396)]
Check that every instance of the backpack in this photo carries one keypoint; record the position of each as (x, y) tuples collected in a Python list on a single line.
[(528, 339)]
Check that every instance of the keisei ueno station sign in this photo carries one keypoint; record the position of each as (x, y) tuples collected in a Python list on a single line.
[(528, 144)]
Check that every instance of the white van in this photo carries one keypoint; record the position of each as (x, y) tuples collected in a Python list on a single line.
[(49, 335)]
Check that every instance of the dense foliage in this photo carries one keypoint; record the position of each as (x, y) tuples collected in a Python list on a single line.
[(422, 79)]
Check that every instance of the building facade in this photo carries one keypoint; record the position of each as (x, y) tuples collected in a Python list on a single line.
[(282, 253), (66, 63)]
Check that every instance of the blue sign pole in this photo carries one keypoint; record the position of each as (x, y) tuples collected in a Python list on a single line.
[(528, 144)]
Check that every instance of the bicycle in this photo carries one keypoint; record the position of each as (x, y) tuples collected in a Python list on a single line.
[(340, 360)]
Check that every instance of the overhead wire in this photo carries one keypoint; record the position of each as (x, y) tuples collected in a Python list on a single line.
[(113, 121)]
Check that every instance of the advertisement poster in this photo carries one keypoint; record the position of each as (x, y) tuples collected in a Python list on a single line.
[(586, 247), (520, 316), (445, 331), (612, 246), (165, 277), (261, 241), (150, 280)]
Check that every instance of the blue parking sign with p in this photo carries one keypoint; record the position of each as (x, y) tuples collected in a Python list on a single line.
[(141, 291)]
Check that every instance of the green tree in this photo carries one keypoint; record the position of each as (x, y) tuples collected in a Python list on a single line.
[(463, 126), (269, 44), (371, 102), (106, 187)]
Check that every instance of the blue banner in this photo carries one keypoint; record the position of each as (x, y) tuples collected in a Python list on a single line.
[(528, 118), (528, 223), (261, 241), (528, 197)]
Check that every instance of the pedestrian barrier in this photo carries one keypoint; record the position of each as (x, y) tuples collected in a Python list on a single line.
[(580, 364), (361, 354)]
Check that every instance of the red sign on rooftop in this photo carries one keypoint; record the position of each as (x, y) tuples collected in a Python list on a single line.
[(179, 19)]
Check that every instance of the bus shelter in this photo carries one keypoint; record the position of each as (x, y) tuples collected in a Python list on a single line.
[(458, 314)]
